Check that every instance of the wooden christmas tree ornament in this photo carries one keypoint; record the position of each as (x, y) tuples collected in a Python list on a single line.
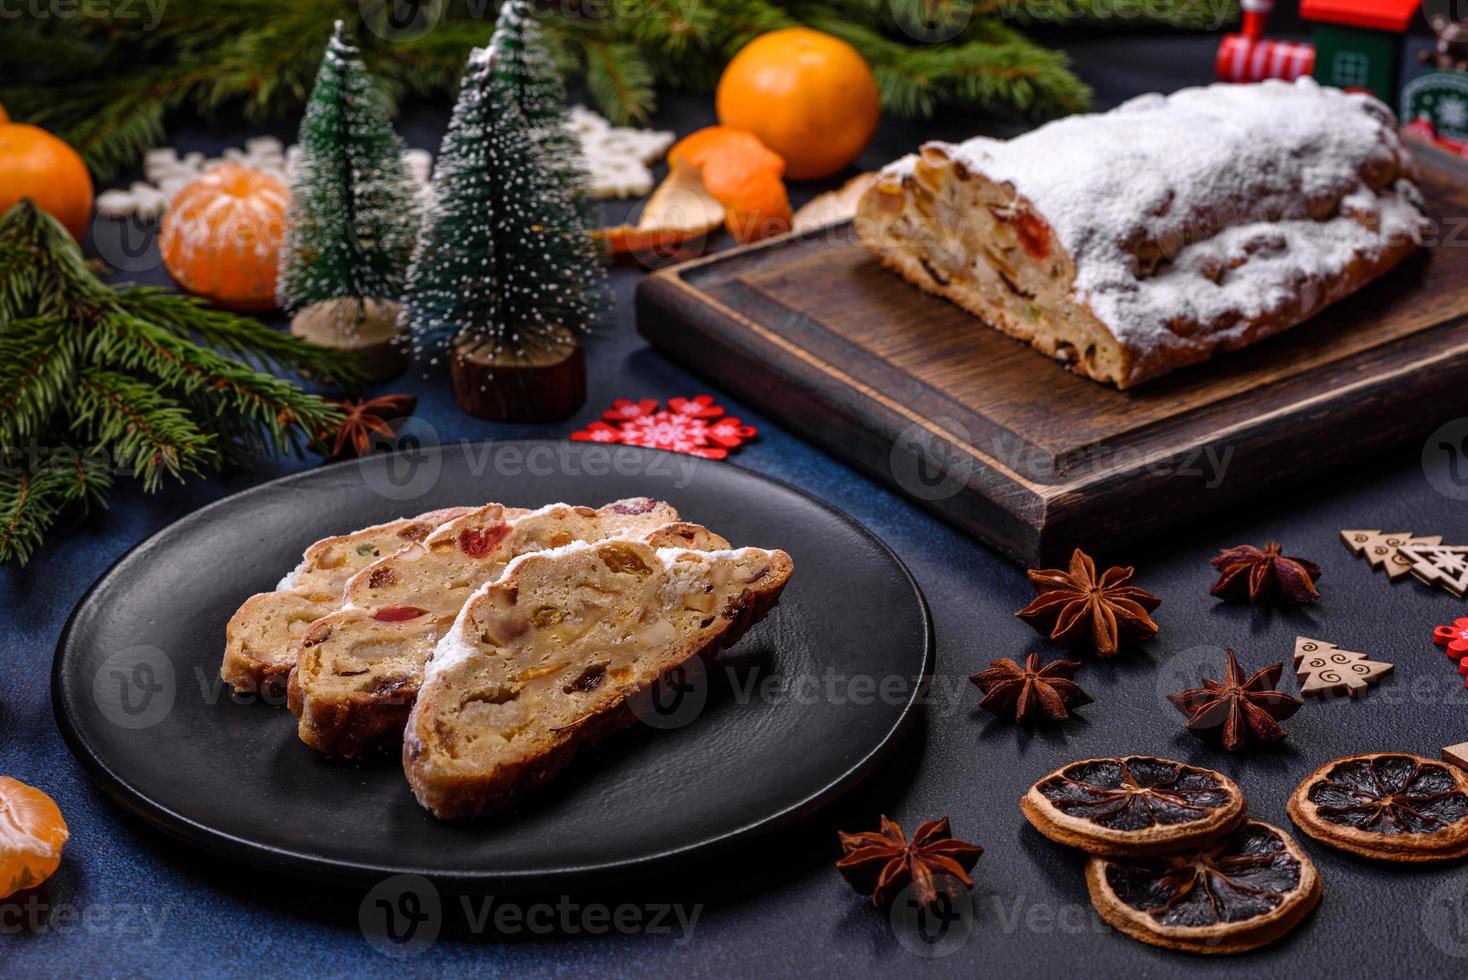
[(541, 384), (365, 328), (1325, 670), (1445, 566), (1457, 755), (1380, 550)]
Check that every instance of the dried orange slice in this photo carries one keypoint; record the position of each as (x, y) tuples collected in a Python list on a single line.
[(1237, 894), (32, 834), (1134, 806), (1387, 806)]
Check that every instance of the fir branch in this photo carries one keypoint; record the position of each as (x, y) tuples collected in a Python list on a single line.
[(620, 80), (147, 432), (132, 376), (245, 337), (1192, 15), (33, 497), (29, 504), (37, 364), (273, 406), (1017, 71), (106, 85)]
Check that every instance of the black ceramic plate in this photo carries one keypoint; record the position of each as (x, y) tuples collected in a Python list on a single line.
[(810, 700)]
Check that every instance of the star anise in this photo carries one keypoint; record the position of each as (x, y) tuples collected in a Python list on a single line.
[(1264, 575), (1032, 693), (1238, 712), (883, 864), (353, 437), (1078, 609)]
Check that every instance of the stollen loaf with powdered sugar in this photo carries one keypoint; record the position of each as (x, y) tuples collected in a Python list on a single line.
[(1134, 242)]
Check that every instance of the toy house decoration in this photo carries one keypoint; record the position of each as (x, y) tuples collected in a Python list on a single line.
[(1358, 43), (1435, 105)]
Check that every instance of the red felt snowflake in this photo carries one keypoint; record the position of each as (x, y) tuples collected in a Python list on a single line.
[(695, 426)]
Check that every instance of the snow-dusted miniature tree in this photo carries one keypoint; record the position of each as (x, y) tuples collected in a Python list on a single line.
[(504, 263), (354, 207), (520, 56)]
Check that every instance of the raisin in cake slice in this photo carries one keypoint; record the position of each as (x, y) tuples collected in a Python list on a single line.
[(1131, 243), (552, 656), (358, 669), (260, 638)]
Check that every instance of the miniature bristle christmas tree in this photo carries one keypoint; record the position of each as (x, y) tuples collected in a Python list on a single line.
[(518, 51), (506, 277), (353, 216)]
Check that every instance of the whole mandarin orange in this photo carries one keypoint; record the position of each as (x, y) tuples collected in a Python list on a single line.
[(39, 166), (808, 96)]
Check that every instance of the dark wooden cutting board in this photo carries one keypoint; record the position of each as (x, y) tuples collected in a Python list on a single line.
[(1001, 440)]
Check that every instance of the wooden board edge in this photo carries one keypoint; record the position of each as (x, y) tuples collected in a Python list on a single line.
[(920, 463)]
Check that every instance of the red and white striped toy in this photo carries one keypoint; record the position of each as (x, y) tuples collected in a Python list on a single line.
[(1249, 56)]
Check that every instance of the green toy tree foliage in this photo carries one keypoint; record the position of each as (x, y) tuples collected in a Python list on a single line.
[(354, 205), (504, 261)]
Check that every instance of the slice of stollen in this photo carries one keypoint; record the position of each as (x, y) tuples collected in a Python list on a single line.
[(556, 654), (358, 669), (260, 638)]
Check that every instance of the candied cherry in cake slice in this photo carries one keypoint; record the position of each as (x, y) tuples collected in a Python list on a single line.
[(1133, 805), (261, 637), (554, 654)]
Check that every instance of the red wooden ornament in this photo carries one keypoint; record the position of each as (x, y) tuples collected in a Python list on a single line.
[(1455, 639)]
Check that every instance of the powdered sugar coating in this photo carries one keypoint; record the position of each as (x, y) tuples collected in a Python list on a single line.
[(1194, 213)]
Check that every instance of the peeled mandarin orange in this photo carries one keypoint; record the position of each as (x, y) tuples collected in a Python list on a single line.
[(32, 834), (221, 237), (808, 96), (37, 165), (742, 174)]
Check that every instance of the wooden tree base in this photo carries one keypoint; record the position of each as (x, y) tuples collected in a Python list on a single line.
[(540, 388), (368, 329)]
